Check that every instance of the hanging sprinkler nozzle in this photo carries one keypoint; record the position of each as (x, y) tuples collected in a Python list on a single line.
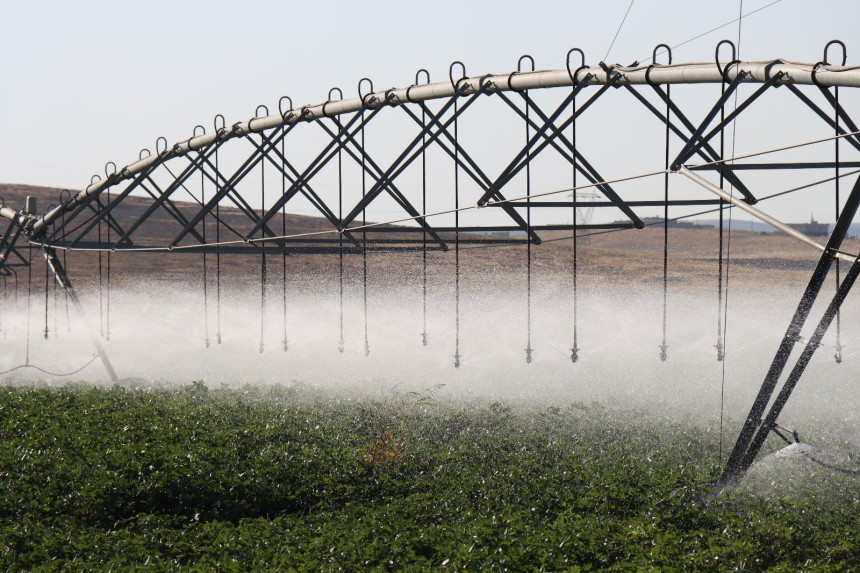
[(457, 360), (721, 352), (663, 354), (838, 355), (424, 338), (529, 351), (286, 344), (574, 353)]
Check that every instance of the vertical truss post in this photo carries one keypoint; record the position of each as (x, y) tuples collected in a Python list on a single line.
[(748, 444), (63, 280)]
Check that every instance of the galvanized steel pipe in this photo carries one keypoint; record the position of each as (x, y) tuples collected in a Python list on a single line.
[(690, 73)]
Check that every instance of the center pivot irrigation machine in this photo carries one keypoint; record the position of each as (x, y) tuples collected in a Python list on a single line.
[(492, 180)]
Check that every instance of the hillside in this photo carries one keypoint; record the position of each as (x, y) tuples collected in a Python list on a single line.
[(630, 256)]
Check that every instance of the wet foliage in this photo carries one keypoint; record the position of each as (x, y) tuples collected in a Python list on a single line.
[(283, 479)]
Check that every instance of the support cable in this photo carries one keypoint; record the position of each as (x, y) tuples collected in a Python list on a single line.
[(107, 291), (618, 31), (218, 236), (364, 213), (457, 356), (529, 349), (574, 349), (205, 267), (66, 263), (47, 290), (836, 118), (728, 261), (263, 262), (285, 341), (101, 278), (722, 207), (56, 296), (29, 292), (664, 346), (424, 210)]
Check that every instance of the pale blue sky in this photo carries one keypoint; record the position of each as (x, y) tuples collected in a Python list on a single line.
[(88, 82)]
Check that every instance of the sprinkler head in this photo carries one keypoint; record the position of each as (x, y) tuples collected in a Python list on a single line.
[(720, 351), (663, 354), (340, 346), (457, 360), (529, 351), (424, 338), (574, 354), (261, 348), (206, 342), (838, 355), (286, 344), (218, 338)]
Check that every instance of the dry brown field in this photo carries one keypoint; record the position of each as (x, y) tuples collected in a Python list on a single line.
[(631, 257)]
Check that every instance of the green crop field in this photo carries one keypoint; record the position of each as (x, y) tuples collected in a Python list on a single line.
[(289, 479)]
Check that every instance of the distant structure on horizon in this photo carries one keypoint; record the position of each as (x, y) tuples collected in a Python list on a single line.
[(654, 221), (813, 228)]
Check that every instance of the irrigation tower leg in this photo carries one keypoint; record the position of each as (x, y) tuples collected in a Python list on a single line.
[(63, 280), (754, 430)]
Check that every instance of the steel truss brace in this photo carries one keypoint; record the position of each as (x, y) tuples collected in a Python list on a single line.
[(471, 168), (63, 280), (750, 439), (853, 140), (372, 168), (305, 189), (418, 144), (698, 140), (572, 155), (705, 151), (228, 189), (7, 244), (322, 159), (425, 138), (138, 181), (158, 201)]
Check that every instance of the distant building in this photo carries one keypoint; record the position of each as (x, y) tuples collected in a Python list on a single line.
[(813, 228), (658, 221)]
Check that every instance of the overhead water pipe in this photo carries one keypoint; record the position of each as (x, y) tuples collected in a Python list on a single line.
[(690, 73)]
